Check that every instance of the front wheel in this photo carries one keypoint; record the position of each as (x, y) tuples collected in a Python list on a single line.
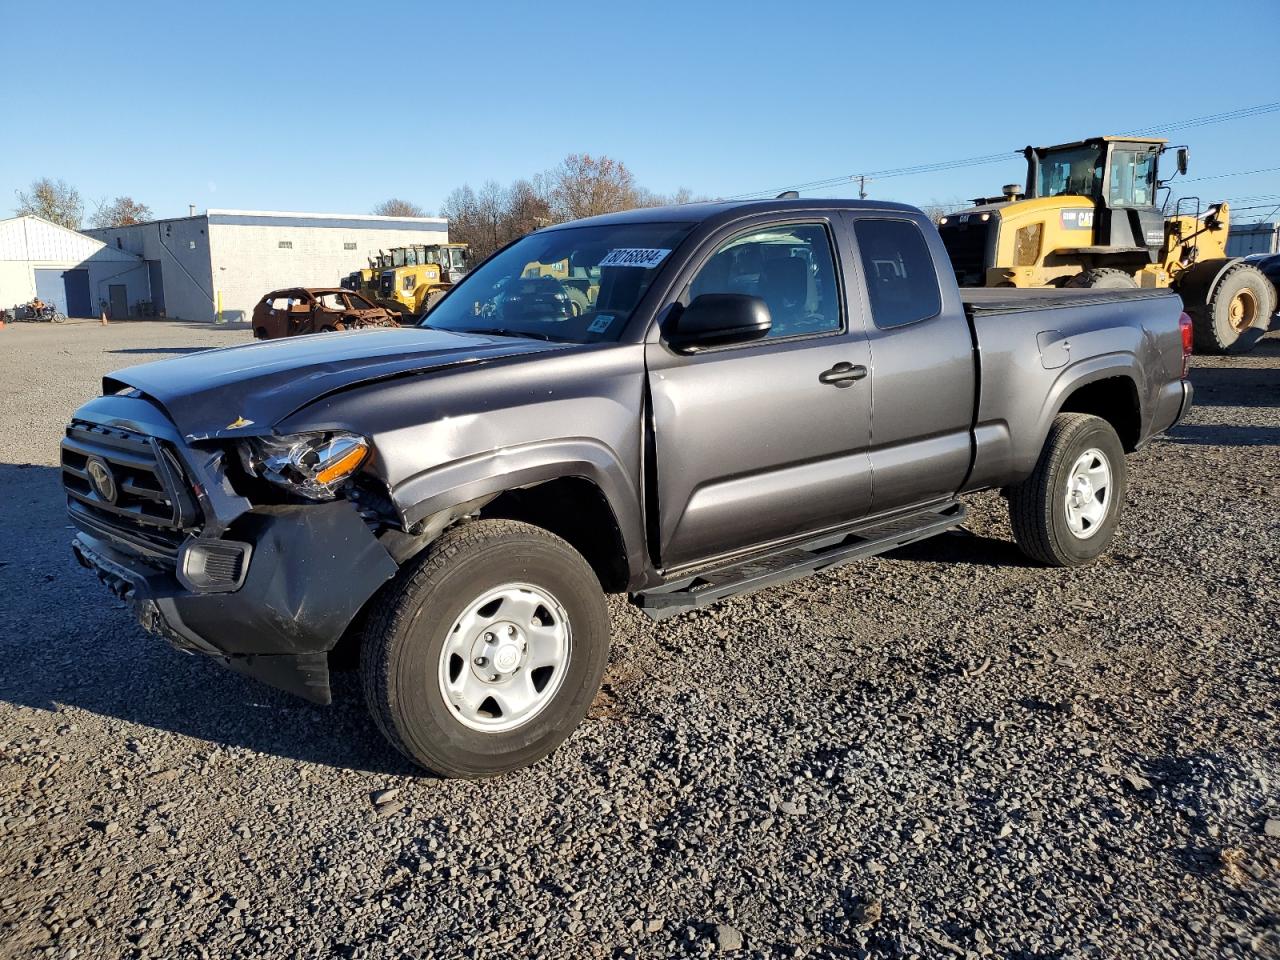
[(484, 656), (1103, 278), (1065, 514)]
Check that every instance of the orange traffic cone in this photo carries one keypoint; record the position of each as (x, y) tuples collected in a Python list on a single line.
[(103, 318)]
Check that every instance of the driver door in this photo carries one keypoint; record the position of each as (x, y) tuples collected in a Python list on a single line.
[(753, 445)]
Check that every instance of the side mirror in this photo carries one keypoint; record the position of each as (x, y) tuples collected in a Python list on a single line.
[(1184, 155), (713, 319)]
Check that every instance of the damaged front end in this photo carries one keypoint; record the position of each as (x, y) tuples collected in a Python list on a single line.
[(259, 551)]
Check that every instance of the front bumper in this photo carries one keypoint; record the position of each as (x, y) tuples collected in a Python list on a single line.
[(311, 569)]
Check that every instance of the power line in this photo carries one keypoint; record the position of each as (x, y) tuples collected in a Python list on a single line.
[(1239, 114), (1238, 173), (940, 166)]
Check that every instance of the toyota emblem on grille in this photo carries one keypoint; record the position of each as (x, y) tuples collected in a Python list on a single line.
[(101, 479)]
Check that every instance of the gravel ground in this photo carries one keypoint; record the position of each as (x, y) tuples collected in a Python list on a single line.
[(944, 752)]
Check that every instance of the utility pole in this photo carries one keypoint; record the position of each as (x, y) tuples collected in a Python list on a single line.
[(862, 187)]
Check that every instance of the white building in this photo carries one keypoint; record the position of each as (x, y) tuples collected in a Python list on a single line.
[(79, 274), (227, 259)]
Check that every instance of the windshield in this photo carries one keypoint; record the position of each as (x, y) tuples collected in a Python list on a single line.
[(578, 284), (1076, 172), (455, 257)]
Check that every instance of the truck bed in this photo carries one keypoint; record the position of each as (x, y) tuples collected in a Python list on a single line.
[(990, 301)]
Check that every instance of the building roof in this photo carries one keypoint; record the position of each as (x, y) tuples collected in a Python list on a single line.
[(288, 218), (41, 240), (286, 214)]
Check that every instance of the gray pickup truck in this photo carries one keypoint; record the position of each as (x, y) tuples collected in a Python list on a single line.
[(678, 404)]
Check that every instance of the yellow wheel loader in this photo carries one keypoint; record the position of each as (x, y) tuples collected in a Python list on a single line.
[(1088, 217), (418, 276)]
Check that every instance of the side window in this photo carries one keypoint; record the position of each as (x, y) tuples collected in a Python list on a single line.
[(332, 301), (899, 270), (789, 267)]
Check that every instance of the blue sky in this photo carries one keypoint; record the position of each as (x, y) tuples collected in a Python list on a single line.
[(335, 106)]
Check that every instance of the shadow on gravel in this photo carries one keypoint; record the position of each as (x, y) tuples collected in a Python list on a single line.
[(962, 546), (64, 640), (1239, 383), (1224, 435)]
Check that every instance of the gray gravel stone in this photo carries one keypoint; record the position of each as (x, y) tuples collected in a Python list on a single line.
[(949, 769)]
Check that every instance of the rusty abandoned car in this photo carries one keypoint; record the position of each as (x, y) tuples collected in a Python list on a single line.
[(298, 310)]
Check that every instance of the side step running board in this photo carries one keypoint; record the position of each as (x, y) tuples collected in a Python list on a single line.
[(710, 586)]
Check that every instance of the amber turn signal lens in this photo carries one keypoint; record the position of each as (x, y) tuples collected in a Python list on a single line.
[(343, 466)]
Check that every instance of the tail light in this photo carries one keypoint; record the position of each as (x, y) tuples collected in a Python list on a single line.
[(1184, 324)]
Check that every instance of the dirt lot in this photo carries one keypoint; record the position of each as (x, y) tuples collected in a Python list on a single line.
[(945, 752)]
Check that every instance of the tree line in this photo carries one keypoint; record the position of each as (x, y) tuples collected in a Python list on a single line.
[(581, 185), (60, 203)]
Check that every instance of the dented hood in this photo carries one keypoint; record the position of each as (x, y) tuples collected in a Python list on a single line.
[(244, 390)]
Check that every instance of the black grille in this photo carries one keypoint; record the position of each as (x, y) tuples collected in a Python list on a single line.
[(966, 244), (152, 509)]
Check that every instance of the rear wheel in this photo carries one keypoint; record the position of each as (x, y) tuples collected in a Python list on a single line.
[(1103, 278), (1065, 513), (1236, 313), (484, 656)]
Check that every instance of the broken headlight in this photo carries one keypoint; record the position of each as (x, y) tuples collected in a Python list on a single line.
[(311, 464)]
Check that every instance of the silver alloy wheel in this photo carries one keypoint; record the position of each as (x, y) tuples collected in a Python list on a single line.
[(505, 657), (1088, 496)]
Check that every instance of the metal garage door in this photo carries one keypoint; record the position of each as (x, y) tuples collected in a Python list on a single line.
[(50, 288), (77, 284), (69, 289)]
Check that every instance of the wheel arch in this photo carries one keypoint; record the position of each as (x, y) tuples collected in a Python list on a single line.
[(1092, 386), (571, 487), (1114, 399), (1196, 284)]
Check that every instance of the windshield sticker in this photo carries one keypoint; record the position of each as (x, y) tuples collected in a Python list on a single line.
[(601, 323), (644, 257)]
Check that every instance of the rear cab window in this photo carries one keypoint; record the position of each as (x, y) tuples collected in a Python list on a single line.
[(902, 280)]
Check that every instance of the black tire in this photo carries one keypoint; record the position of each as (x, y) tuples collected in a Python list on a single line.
[(1215, 325), (1103, 278), (1038, 508), (406, 631)]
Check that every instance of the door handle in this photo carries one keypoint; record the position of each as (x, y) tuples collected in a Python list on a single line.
[(843, 374)]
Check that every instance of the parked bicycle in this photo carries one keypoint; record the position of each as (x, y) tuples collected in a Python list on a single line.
[(35, 311)]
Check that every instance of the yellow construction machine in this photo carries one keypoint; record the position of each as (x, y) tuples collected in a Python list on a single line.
[(419, 275), (1089, 217)]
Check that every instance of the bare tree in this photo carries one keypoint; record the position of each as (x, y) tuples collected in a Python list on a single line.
[(395, 207), (120, 212), (646, 198), (581, 186), (586, 186), (495, 216), (54, 200), (935, 211), (528, 207)]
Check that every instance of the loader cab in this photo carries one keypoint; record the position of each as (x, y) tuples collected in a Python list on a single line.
[(1120, 175)]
